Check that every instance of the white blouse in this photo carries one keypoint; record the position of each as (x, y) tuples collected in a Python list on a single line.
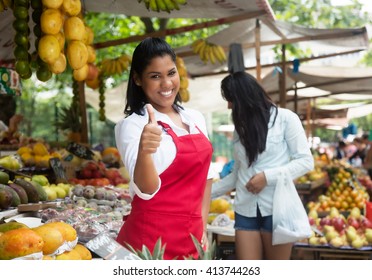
[(128, 133), (286, 145)]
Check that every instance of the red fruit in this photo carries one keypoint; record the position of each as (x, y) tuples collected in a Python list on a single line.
[(351, 221), (365, 223), (338, 223), (325, 221), (86, 173)]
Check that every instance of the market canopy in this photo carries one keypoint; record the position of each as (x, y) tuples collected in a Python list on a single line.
[(206, 93)]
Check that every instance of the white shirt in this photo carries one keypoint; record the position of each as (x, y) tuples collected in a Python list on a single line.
[(286, 145), (127, 136)]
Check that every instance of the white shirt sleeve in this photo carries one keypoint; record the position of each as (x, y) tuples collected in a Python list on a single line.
[(301, 159)]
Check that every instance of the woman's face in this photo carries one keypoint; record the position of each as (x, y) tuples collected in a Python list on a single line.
[(160, 82)]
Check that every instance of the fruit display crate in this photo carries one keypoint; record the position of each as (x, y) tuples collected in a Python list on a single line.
[(327, 252), (307, 187)]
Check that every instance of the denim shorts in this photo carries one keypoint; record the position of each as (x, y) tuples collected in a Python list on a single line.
[(258, 223)]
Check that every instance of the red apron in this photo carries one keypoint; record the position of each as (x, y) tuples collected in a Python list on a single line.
[(174, 213)]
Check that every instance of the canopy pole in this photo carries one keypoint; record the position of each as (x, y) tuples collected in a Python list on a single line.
[(295, 98), (83, 113), (282, 81), (308, 118), (258, 49)]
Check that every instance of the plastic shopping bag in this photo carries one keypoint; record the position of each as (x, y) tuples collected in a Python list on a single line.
[(290, 221)]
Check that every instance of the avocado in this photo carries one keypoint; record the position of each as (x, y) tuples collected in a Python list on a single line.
[(20, 191), (15, 197), (5, 199), (32, 193)]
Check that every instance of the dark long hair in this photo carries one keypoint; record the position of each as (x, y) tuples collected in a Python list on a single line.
[(251, 107), (148, 49)]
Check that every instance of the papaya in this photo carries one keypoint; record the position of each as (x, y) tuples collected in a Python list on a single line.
[(32, 193), (11, 225), (19, 242), (15, 197), (21, 192), (5, 199), (68, 231), (53, 238)]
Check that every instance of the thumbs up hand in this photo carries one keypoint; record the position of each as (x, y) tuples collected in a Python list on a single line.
[(151, 134)]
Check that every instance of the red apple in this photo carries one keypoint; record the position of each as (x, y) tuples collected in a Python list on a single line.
[(365, 223), (351, 221), (338, 223), (325, 221), (311, 221)]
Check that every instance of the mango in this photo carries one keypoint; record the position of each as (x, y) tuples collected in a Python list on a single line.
[(15, 197), (19, 242), (5, 199)]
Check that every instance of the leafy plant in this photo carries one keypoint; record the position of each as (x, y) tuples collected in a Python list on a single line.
[(69, 118)]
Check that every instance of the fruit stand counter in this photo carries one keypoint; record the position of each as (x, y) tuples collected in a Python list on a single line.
[(304, 251)]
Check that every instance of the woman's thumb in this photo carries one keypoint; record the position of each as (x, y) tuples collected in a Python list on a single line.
[(150, 111)]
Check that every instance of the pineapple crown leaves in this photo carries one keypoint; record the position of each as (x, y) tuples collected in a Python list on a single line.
[(203, 255), (158, 252), (145, 254)]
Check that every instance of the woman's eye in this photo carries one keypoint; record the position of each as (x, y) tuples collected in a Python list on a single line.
[(172, 73), (155, 77)]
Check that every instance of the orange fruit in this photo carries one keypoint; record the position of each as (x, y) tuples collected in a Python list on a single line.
[(89, 35), (71, 7), (74, 28), (53, 238), (91, 54), (49, 49), (83, 251), (93, 84), (77, 54), (55, 4), (59, 65), (51, 21), (61, 39), (68, 255), (81, 74)]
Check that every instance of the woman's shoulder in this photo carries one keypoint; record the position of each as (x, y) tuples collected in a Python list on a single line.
[(192, 114), (285, 113), (132, 121)]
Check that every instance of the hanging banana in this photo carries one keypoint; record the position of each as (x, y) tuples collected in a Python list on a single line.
[(163, 5)]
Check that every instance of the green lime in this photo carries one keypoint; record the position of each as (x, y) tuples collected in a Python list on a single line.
[(20, 53), (22, 67), (20, 12), (23, 3), (36, 4), (4, 177), (37, 30), (20, 25), (43, 74), (26, 75), (36, 14), (21, 39)]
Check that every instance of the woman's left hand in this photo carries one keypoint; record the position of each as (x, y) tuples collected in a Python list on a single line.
[(256, 183)]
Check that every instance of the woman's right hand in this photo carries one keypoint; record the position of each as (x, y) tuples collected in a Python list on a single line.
[(151, 134)]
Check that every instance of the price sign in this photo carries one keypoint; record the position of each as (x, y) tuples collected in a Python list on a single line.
[(109, 249), (80, 150), (58, 169)]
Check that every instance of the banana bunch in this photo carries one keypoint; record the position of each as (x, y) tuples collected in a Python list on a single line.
[(208, 51), (184, 80), (5, 4), (116, 66), (163, 5)]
